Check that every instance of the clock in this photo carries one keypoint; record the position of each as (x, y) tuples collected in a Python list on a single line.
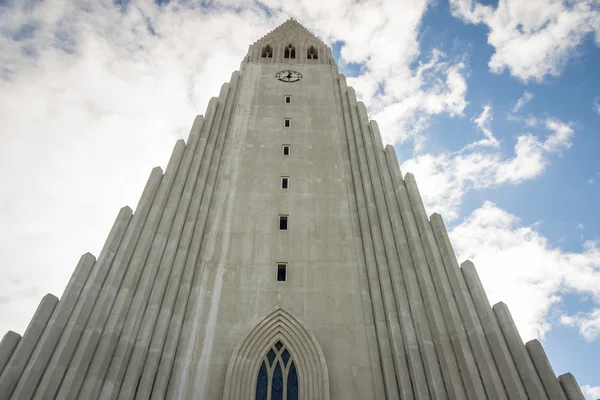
[(288, 76)]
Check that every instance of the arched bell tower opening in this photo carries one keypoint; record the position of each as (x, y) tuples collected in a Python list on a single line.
[(278, 360)]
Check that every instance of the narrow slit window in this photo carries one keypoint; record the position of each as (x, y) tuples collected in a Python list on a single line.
[(285, 182), (283, 222), (281, 272), (287, 122), (286, 149), (288, 99)]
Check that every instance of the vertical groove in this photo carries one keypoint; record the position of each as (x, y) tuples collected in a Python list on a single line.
[(45, 347), (407, 309), (112, 316), (369, 303), (69, 339), (142, 285), (570, 387), (116, 266), (18, 360), (480, 350), (138, 343), (544, 370), (506, 366), (7, 347), (413, 265), (181, 364), (384, 244), (165, 273), (450, 323), (532, 382), (164, 341), (380, 307)]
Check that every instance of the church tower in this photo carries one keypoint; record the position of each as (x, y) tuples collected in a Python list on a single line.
[(281, 255)]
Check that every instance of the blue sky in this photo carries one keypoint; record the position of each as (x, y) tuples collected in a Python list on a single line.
[(494, 106)]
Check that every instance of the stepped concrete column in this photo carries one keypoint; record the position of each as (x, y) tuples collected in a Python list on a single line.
[(570, 386), (110, 287), (407, 313), (385, 247), (166, 273), (372, 303), (386, 319), (7, 346), (112, 315), (506, 366), (544, 370), (18, 360), (40, 357), (432, 287), (479, 346), (69, 338), (416, 270), (164, 343), (532, 382)]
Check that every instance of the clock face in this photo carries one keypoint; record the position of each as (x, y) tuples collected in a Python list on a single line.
[(288, 76)]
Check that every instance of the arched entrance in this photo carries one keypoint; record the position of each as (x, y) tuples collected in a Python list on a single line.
[(282, 354)]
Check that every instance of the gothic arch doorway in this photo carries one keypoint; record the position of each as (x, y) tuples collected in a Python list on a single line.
[(280, 359)]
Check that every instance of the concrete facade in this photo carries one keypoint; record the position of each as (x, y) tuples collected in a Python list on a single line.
[(183, 301)]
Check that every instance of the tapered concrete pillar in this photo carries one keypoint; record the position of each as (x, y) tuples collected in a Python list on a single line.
[(440, 304), (544, 370), (164, 341), (7, 346), (506, 366), (18, 360), (167, 272), (570, 387), (110, 287), (416, 270), (370, 303), (112, 314), (47, 343), (406, 308), (388, 329), (479, 346), (384, 245), (71, 334), (532, 382)]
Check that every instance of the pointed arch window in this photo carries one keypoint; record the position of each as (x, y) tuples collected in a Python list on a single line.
[(267, 52), (312, 53), (277, 376), (290, 51)]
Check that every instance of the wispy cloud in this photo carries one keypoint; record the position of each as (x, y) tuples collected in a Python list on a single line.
[(526, 98), (446, 177), (483, 122)]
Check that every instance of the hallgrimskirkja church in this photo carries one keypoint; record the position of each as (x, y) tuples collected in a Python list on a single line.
[(281, 255)]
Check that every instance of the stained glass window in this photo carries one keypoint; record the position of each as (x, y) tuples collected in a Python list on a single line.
[(278, 374), (262, 385)]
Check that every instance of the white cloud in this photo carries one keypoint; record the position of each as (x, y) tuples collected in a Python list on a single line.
[(597, 105), (445, 178), (517, 265), (588, 323), (526, 98), (532, 38), (591, 392)]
